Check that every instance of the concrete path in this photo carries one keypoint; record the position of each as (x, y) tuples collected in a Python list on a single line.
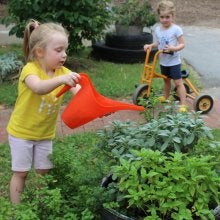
[(5, 38), (202, 52)]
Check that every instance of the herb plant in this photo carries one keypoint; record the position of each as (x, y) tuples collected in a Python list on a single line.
[(153, 186), (169, 133), (165, 169)]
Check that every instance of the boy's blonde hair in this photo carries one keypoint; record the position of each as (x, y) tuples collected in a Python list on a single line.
[(37, 35), (167, 6)]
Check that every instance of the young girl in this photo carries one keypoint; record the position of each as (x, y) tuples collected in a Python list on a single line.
[(32, 124), (169, 37)]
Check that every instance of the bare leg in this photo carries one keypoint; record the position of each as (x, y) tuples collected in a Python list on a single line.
[(17, 186), (181, 91), (167, 88)]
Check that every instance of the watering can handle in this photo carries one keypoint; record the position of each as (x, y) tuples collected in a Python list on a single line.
[(171, 52), (66, 87), (63, 90)]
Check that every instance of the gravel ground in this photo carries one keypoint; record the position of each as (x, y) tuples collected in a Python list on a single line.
[(196, 12)]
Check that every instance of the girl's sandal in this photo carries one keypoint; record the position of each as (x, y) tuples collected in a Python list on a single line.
[(183, 108)]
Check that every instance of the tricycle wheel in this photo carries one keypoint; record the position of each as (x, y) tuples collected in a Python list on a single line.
[(140, 93), (176, 96), (203, 103)]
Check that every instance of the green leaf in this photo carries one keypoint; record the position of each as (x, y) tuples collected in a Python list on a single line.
[(177, 139), (190, 138)]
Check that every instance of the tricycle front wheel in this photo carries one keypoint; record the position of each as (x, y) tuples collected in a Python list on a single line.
[(140, 93)]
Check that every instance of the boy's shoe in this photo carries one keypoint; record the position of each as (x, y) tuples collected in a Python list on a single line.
[(161, 99), (183, 108)]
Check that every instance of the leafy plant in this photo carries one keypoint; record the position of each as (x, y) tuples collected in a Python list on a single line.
[(9, 65), (152, 185), (169, 133), (83, 19), (134, 12), (72, 189), (153, 106)]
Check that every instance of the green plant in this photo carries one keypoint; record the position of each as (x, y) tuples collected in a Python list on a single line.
[(11, 48), (152, 106), (83, 19), (134, 12), (169, 133), (153, 186), (9, 65), (72, 189)]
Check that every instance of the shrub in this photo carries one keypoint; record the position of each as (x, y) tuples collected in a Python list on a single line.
[(169, 133), (71, 191), (83, 19), (9, 65), (134, 12)]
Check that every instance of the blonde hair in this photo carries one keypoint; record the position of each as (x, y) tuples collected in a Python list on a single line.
[(167, 6), (37, 35)]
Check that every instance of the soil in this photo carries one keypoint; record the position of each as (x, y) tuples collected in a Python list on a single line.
[(195, 12)]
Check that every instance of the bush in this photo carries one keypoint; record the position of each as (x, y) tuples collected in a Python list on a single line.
[(134, 12), (72, 189), (169, 133), (9, 65), (83, 19)]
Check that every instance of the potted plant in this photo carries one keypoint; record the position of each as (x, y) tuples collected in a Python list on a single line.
[(165, 169), (125, 44), (151, 185), (132, 16)]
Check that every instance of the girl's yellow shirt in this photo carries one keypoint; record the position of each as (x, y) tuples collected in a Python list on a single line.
[(34, 116)]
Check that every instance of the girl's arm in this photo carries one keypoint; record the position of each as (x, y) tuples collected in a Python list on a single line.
[(42, 87), (178, 47)]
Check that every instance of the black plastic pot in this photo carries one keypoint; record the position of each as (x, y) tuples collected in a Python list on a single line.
[(131, 42), (110, 214), (118, 55), (107, 214)]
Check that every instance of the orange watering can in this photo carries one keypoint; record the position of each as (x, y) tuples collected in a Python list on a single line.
[(88, 104)]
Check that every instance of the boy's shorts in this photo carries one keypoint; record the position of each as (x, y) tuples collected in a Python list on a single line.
[(25, 153), (173, 72)]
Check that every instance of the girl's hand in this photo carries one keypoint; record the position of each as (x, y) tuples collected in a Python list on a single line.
[(169, 48), (70, 79), (147, 46)]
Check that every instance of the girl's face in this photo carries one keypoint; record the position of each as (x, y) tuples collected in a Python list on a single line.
[(166, 19), (54, 54)]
